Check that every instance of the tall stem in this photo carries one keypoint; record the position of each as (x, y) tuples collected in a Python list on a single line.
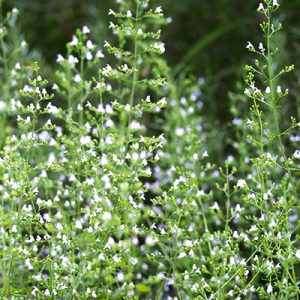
[(135, 66)]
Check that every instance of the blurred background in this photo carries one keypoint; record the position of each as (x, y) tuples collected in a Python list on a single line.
[(204, 38)]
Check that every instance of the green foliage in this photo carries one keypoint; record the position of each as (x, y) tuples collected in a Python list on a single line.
[(109, 183)]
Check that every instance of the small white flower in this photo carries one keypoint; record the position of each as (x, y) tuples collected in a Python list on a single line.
[(268, 90), (72, 60), (120, 276), (241, 183), (59, 227), (260, 7), (106, 216), (89, 44), (77, 78), (179, 131), (297, 254), (297, 154), (238, 208), (215, 206), (149, 240), (59, 58), (249, 46), (17, 66), (205, 154), (85, 139), (158, 10), (270, 288), (275, 3), (78, 224), (279, 91), (99, 54), (159, 46), (86, 30), (261, 47), (89, 55), (74, 41), (54, 86), (52, 109), (253, 228)]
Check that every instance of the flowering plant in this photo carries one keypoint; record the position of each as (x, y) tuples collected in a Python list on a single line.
[(109, 186)]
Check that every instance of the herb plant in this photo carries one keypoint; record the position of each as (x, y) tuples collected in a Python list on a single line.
[(109, 184)]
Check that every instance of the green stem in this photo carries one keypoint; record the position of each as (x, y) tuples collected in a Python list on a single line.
[(135, 66)]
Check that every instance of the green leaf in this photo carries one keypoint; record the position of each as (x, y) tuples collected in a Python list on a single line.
[(142, 288)]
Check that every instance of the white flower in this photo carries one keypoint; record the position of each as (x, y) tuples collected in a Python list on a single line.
[(159, 46), (86, 30), (249, 46), (74, 41), (89, 44), (162, 101), (89, 55), (2, 105), (85, 139), (59, 227), (215, 206), (261, 47), (279, 91), (297, 254), (275, 3), (149, 240), (99, 54), (54, 86), (78, 224), (270, 288), (179, 131), (268, 90), (52, 109), (72, 60), (120, 276), (241, 183), (59, 58), (260, 7), (253, 228), (158, 10), (296, 154), (77, 78), (106, 216)]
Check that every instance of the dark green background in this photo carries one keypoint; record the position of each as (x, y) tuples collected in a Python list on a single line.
[(206, 38)]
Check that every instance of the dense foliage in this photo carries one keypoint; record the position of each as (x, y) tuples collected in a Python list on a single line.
[(116, 181)]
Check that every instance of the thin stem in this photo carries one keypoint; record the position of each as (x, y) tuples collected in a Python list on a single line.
[(135, 66)]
